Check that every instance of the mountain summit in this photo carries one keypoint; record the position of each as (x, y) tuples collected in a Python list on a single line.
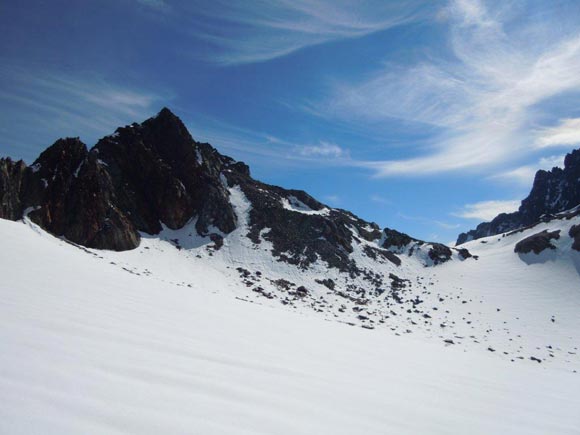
[(161, 209), (154, 175), (552, 192)]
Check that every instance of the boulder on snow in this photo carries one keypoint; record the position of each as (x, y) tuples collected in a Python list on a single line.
[(439, 253), (301, 292), (537, 243)]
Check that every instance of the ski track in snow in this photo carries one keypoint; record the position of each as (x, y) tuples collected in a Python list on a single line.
[(172, 338)]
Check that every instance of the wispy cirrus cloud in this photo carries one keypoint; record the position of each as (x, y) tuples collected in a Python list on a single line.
[(155, 4), (483, 97), (566, 133), (257, 146), (61, 104), (379, 199), (323, 149), (246, 32), (487, 210), (524, 175), (441, 224)]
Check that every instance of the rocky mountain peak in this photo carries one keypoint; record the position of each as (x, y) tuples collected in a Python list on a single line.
[(11, 184), (141, 178), (69, 151), (572, 160), (552, 192), (153, 176)]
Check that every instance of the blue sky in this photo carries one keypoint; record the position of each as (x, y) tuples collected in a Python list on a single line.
[(423, 116)]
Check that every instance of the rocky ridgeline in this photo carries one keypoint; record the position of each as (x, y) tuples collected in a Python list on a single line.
[(552, 192), (434, 253), (137, 179), (542, 240), (146, 176)]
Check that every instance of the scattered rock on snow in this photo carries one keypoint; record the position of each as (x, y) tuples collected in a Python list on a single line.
[(537, 243)]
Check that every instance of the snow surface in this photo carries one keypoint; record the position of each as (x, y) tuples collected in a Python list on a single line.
[(87, 347), (178, 336), (294, 204)]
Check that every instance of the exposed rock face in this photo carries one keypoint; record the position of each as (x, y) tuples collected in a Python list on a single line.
[(300, 228), (163, 176), (52, 182), (377, 254), (12, 179), (395, 239), (575, 234), (552, 192), (437, 253), (143, 176), (537, 243), (154, 174)]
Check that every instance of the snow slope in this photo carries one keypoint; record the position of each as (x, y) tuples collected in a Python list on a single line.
[(530, 302), (515, 308), (166, 340)]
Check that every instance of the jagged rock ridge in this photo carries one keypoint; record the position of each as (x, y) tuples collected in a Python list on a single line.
[(553, 191), (152, 175), (136, 180)]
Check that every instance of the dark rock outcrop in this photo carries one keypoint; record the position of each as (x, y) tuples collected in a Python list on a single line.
[(377, 254), (138, 179), (537, 243), (12, 179), (438, 253), (301, 229), (552, 192), (163, 176), (575, 234), (396, 240), (152, 175)]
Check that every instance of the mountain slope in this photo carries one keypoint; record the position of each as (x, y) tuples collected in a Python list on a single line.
[(225, 305), (552, 192), (153, 175), (91, 346), (190, 212)]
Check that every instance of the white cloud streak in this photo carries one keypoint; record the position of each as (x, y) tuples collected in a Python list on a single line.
[(256, 31), (565, 134), (524, 175), (58, 104), (155, 4), (484, 97), (257, 146), (324, 149), (487, 210), (379, 199)]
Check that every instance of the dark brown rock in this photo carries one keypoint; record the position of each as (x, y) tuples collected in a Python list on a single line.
[(154, 174), (376, 253), (439, 253), (50, 184), (552, 192), (143, 176), (94, 219), (163, 176), (575, 234), (537, 243), (396, 239), (72, 196), (12, 179)]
